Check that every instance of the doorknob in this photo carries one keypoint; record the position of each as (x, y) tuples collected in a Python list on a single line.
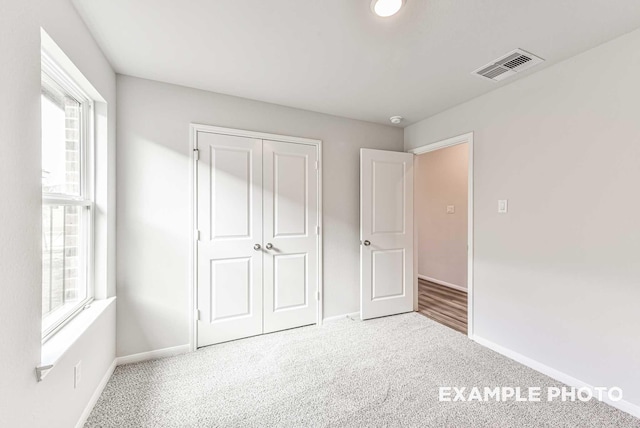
[(367, 243), (257, 247), (269, 246)]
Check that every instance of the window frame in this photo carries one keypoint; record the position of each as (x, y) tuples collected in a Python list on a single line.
[(86, 198)]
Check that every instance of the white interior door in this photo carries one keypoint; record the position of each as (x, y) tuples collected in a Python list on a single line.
[(290, 235), (229, 220), (386, 233)]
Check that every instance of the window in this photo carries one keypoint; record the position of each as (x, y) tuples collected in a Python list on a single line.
[(67, 198)]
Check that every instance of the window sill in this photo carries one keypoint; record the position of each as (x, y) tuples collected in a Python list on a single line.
[(58, 345)]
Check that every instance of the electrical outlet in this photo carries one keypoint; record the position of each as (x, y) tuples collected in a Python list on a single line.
[(77, 374), (503, 206), (451, 209)]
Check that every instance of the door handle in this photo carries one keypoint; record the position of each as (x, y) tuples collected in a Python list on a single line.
[(269, 246), (257, 247), (366, 242)]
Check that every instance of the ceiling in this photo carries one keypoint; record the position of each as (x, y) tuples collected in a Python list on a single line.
[(336, 56)]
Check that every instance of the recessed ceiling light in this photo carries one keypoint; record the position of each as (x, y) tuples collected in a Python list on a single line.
[(385, 8)]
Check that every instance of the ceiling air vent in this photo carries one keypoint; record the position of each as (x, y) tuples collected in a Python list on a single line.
[(508, 65)]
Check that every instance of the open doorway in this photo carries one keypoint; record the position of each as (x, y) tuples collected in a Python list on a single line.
[(443, 206)]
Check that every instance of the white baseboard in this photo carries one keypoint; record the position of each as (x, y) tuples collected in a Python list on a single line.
[(153, 355), (96, 395), (623, 405), (352, 315), (446, 284)]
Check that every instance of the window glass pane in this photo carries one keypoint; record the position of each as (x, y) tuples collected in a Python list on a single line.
[(61, 154), (63, 253)]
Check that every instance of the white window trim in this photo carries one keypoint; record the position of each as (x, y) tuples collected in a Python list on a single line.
[(87, 183)]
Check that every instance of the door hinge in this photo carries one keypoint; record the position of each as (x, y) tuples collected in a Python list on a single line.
[(198, 317), (196, 235), (318, 296), (196, 154), (317, 165), (317, 230)]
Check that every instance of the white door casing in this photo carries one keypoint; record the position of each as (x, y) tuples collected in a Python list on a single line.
[(291, 229), (386, 233), (229, 191)]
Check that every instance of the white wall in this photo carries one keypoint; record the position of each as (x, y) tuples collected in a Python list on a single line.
[(557, 278), (154, 202), (442, 180), (23, 401)]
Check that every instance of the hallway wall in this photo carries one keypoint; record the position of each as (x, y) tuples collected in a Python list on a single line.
[(441, 181)]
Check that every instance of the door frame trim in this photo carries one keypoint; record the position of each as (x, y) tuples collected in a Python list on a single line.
[(453, 141), (194, 128)]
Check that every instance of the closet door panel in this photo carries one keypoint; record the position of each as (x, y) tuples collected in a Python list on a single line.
[(229, 220), (290, 235)]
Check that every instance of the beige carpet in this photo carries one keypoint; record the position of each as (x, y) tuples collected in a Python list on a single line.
[(383, 372)]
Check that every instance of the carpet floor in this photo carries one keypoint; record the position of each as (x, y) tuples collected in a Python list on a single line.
[(382, 372)]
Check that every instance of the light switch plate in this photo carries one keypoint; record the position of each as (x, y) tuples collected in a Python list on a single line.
[(503, 206), (77, 374), (451, 209)]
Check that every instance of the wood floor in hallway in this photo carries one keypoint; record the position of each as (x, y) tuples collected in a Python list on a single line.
[(443, 304)]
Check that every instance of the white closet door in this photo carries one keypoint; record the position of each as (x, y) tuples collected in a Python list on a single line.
[(229, 220), (386, 233), (290, 235)]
